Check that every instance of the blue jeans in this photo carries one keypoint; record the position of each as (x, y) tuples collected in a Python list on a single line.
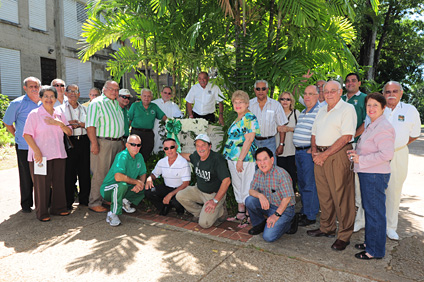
[(257, 216), (270, 144), (306, 184), (373, 193)]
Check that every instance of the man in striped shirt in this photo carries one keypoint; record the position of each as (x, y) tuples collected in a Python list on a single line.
[(105, 128), (304, 163)]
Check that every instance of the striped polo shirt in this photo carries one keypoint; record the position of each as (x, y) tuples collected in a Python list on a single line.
[(303, 130), (106, 116)]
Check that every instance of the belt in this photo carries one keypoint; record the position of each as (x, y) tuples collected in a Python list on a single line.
[(302, 148), (78, 137), (263, 138), (110, 138), (142, 129), (322, 148)]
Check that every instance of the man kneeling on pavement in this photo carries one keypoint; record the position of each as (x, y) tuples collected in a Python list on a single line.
[(272, 196), (206, 200), (124, 183)]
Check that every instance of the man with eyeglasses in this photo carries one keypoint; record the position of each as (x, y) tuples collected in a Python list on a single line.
[(176, 173), (332, 132), (14, 119), (60, 86), (78, 161), (124, 183), (205, 96), (123, 100), (406, 122), (270, 115), (105, 128)]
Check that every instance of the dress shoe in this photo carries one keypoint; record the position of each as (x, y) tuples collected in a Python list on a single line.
[(339, 245), (294, 224), (319, 233), (180, 211), (98, 209), (258, 229), (28, 210), (165, 210), (392, 234), (305, 222)]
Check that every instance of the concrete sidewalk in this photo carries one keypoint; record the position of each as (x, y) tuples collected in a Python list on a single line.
[(83, 247)]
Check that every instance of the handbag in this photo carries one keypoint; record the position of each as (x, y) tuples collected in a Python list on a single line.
[(67, 142)]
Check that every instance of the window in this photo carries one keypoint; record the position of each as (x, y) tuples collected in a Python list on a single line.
[(10, 72), (80, 74), (9, 11), (37, 14), (74, 15)]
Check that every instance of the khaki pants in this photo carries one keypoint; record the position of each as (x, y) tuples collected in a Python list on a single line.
[(193, 200)]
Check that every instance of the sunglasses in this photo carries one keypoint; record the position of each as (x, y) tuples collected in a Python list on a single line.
[(285, 99), (59, 85), (135, 145), (259, 89), (168, 148), (167, 93), (125, 97)]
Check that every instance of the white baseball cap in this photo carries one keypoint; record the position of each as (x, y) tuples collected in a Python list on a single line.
[(125, 92), (203, 137)]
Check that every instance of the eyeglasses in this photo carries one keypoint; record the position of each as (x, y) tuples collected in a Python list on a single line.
[(259, 89), (334, 91), (112, 89), (167, 93), (59, 85), (125, 97), (285, 99), (168, 148), (135, 145), (390, 92), (72, 91)]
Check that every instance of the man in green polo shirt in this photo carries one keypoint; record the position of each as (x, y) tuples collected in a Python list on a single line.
[(142, 117), (124, 183), (206, 200)]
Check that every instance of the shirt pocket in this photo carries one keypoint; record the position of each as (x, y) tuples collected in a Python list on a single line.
[(269, 115)]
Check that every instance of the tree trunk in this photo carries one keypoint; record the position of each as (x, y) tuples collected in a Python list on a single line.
[(383, 36), (157, 67), (146, 64)]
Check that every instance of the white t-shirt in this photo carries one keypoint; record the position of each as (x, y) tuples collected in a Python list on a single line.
[(204, 99)]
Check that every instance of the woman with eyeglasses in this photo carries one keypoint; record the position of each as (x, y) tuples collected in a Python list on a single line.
[(371, 159), (239, 152), (286, 160), (43, 131)]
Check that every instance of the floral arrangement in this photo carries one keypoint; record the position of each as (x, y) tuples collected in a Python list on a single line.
[(195, 125)]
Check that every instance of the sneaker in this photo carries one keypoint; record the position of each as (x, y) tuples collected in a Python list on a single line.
[(126, 206), (112, 219), (392, 234)]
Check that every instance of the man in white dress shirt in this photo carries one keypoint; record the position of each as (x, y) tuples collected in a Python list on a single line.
[(204, 95), (406, 122)]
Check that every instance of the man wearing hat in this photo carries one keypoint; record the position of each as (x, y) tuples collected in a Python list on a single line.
[(123, 100), (206, 200)]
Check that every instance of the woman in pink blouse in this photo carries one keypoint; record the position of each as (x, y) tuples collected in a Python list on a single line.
[(371, 159), (43, 132)]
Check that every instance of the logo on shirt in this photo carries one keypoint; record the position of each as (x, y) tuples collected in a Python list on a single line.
[(152, 112), (356, 102), (138, 165), (210, 92), (401, 118), (205, 175)]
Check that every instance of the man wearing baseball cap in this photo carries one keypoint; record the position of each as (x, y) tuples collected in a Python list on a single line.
[(123, 100), (206, 200)]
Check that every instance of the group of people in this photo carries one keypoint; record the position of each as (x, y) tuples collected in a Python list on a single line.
[(271, 149)]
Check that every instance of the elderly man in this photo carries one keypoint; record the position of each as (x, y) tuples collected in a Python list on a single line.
[(206, 200), (94, 93), (124, 182), (204, 95), (304, 163), (271, 201), (105, 128), (123, 100), (60, 86), (170, 109), (142, 117), (78, 161), (176, 173), (14, 119), (406, 122), (333, 129), (270, 115)]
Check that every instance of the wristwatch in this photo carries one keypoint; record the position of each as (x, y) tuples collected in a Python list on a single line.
[(215, 201), (282, 144), (277, 214)]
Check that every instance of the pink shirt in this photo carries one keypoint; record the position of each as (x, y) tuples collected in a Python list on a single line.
[(376, 147), (49, 138)]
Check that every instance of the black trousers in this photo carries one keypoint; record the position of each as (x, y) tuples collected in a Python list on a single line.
[(156, 197), (78, 166), (289, 164), (147, 142), (25, 180), (208, 117)]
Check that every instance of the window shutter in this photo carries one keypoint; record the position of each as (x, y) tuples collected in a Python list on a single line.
[(10, 72), (80, 74), (9, 11), (37, 14)]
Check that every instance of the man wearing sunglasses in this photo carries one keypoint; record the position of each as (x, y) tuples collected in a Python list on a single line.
[(123, 100), (176, 173), (124, 183), (60, 86), (270, 115)]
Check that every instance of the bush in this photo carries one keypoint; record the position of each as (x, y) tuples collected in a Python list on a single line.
[(6, 137)]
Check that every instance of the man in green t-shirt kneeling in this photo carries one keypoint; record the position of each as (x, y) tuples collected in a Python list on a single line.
[(206, 200), (124, 183)]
